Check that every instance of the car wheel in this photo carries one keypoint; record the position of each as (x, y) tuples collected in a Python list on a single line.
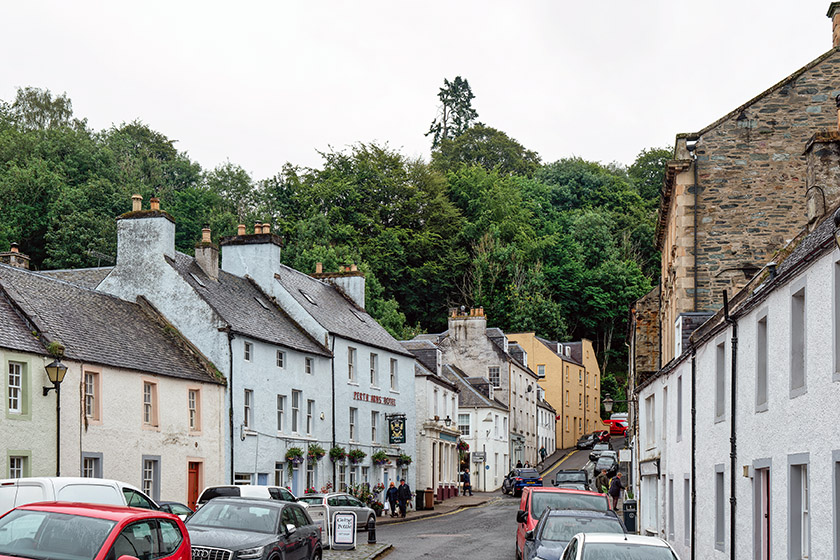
[(317, 554)]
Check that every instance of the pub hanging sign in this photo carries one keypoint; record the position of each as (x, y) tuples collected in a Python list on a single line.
[(396, 429)]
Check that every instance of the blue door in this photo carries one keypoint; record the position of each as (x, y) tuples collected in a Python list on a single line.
[(262, 479)]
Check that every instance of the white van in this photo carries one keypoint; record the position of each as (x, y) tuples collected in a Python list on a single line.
[(19, 491), (245, 491)]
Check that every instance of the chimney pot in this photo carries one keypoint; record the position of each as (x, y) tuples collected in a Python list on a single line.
[(834, 15), (14, 248), (341, 269), (205, 235), (155, 203), (240, 229), (354, 268), (136, 203), (266, 227), (257, 227), (319, 268)]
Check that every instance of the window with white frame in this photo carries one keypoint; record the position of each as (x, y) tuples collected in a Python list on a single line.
[(309, 365), (374, 426), (248, 409), (541, 370), (310, 475), (242, 479), (679, 407), (295, 411), (351, 364), (799, 503), (366, 474), (150, 404), (248, 351), (650, 421), (504, 425), (494, 376), (342, 478), (194, 407), (279, 474), (435, 403), (281, 359), (394, 381), (310, 413), (496, 426), (91, 465), (15, 388), (17, 466), (353, 415), (374, 370), (464, 424), (354, 474), (281, 412), (91, 395), (151, 477)]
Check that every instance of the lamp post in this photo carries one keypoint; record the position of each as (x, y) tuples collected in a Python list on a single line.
[(55, 372)]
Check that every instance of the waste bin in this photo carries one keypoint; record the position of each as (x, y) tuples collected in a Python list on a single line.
[(430, 499), (630, 516), (421, 499)]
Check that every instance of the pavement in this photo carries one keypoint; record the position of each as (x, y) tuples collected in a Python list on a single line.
[(363, 551)]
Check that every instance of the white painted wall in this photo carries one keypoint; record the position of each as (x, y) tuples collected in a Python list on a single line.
[(484, 437)]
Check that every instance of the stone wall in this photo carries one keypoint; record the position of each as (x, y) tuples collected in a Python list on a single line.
[(645, 343)]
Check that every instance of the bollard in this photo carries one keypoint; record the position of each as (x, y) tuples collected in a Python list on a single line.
[(371, 531)]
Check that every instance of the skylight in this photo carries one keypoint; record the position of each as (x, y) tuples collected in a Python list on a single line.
[(308, 297), (197, 279), (358, 315), (261, 302)]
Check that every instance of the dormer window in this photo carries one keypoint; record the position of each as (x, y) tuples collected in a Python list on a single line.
[(308, 297)]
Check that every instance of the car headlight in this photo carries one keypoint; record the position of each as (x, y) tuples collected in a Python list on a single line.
[(250, 553)]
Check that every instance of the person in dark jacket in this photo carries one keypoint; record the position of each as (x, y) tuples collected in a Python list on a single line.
[(465, 478), (392, 499), (616, 486), (403, 496)]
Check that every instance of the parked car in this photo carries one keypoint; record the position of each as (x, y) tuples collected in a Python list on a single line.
[(176, 508), (556, 528), (254, 529), (577, 479), (598, 449), (618, 427), (76, 531), (535, 500), (608, 463), (603, 435), (595, 546), (586, 441), (517, 479), (342, 502), (245, 491), (19, 491)]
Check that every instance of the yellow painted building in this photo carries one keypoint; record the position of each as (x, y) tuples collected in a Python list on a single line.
[(571, 379)]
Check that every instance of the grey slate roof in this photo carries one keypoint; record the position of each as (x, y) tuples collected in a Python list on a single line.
[(424, 351), (102, 329), (84, 277), (468, 395), (335, 312), (14, 332), (237, 301), (552, 345)]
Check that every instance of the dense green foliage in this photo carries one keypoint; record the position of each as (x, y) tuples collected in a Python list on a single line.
[(561, 248)]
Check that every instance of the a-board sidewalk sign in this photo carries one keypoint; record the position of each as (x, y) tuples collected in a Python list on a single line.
[(344, 531)]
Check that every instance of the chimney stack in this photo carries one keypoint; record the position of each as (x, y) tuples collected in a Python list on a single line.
[(240, 229), (15, 258), (207, 255), (136, 203), (834, 15), (319, 268)]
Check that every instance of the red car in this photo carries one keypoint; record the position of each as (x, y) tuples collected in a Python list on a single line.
[(535, 500), (617, 427), (73, 531)]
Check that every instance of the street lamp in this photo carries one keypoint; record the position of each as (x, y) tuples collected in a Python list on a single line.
[(447, 421), (608, 404), (55, 372)]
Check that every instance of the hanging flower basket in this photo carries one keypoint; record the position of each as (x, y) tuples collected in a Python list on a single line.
[(337, 454), (315, 453), (380, 458), (404, 460), (463, 446), (294, 457), (356, 456)]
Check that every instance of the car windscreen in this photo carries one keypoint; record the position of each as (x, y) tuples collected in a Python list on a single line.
[(626, 551), (601, 447), (239, 517), (91, 493), (571, 477), (563, 528), (566, 500), (218, 492), (528, 473), (45, 535), (312, 501), (605, 463)]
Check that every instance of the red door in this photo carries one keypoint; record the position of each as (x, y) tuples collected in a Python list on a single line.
[(193, 477)]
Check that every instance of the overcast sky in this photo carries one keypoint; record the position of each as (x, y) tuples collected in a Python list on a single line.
[(264, 83)]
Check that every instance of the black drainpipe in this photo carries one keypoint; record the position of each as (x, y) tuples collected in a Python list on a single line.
[(693, 450), (732, 437), (230, 337), (332, 363), (696, 189)]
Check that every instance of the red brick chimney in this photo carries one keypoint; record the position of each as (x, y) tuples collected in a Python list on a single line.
[(834, 15)]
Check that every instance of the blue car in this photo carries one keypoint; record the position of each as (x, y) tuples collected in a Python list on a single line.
[(556, 528), (519, 479)]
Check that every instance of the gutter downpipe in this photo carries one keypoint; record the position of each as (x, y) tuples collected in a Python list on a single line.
[(694, 255), (332, 363), (230, 337), (733, 455), (693, 452)]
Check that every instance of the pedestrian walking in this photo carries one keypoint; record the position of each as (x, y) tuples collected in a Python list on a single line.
[(602, 482), (392, 499), (543, 453), (465, 478), (403, 496), (616, 486), (527, 465), (519, 464)]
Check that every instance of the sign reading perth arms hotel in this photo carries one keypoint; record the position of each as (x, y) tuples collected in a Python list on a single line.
[(357, 396)]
